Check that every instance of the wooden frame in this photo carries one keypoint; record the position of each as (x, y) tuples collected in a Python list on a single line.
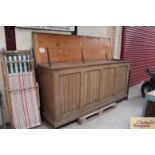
[(7, 86), (55, 82)]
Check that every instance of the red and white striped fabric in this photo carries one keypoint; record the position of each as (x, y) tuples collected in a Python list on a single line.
[(25, 109)]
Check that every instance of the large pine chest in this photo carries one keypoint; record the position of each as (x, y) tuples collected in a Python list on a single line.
[(77, 75)]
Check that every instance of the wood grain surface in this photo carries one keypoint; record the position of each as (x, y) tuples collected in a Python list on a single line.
[(68, 94), (66, 48)]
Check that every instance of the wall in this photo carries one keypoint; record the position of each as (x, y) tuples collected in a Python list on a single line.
[(117, 42), (2, 38), (112, 32), (2, 46)]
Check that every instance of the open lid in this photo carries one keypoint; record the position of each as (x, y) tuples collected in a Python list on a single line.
[(56, 48), (96, 49), (52, 48)]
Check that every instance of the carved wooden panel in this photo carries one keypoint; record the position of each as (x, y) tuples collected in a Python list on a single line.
[(107, 83), (121, 79), (69, 89), (91, 87)]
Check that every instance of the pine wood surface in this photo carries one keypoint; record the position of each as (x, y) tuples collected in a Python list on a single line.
[(66, 48), (67, 94)]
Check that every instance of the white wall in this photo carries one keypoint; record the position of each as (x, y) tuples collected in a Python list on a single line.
[(97, 31), (117, 42), (2, 45), (2, 38)]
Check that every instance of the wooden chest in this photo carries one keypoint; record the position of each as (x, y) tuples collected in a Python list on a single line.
[(84, 80)]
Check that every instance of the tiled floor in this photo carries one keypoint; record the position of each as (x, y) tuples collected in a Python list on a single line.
[(115, 118)]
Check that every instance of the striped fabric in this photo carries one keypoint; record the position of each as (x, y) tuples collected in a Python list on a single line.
[(22, 90), (23, 101)]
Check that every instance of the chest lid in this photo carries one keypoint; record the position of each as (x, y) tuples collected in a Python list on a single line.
[(52, 48)]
